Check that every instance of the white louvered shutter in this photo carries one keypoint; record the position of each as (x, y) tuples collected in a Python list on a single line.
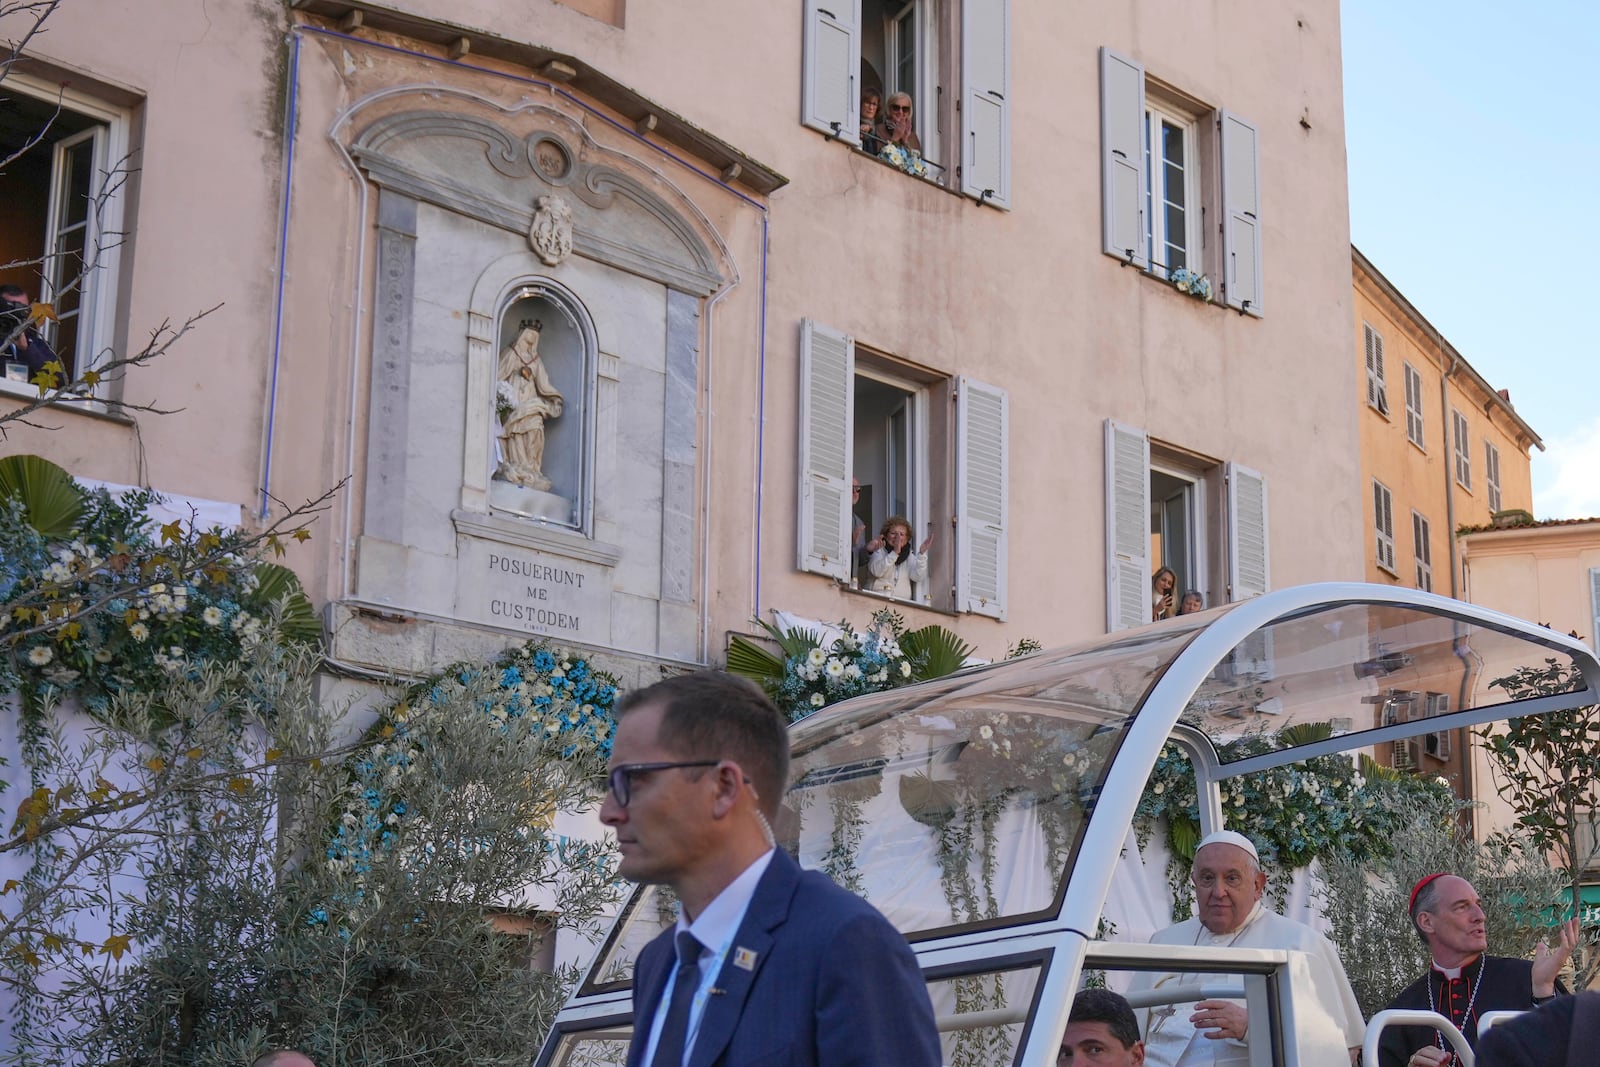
[(1122, 168), (1377, 392), (1594, 607), (985, 100), (1241, 214), (1249, 572), (982, 495), (829, 93), (827, 401), (1127, 527)]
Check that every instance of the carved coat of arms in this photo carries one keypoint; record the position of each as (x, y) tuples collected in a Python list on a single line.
[(550, 236)]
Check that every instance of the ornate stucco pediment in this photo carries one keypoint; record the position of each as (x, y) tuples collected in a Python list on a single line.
[(497, 169)]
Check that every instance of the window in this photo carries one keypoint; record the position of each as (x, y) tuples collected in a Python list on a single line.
[(1414, 424), (1207, 521), (1463, 443), (1437, 743), (1422, 551), (1383, 523), (962, 116), (1377, 392), (890, 425), (1158, 150), (1491, 474), (63, 228), (1171, 193)]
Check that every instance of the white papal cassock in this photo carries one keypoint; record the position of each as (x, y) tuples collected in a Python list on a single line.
[(1169, 1039)]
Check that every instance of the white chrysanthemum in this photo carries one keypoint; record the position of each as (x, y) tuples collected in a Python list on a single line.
[(852, 672), (817, 700), (986, 731), (102, 655), (40, 655), (212, 616), (905, 669), (835, 669), (139, 631), (816, 657)]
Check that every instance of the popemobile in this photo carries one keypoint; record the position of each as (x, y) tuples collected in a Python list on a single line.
[(985, 813)]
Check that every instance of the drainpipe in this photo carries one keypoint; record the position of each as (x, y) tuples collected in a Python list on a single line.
[(1447, 423)]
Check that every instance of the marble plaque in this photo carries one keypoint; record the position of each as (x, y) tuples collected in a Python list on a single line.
[(535, 592)]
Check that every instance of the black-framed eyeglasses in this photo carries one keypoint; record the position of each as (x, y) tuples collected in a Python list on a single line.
[(621, 780)]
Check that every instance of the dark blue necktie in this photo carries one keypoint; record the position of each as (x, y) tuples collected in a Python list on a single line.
[(675, 1031)]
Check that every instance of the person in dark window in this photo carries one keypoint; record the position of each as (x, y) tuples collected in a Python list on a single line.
[(1162, 583), (893, 564), (1191, 602), (871, 104), (858, 528), (896, 127), (19, 340)]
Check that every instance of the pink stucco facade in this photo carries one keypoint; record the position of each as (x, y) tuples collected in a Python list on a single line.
[(363, 255)]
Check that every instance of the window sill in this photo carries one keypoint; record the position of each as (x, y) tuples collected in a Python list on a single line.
[(1390, 571), (1416, 446), (885, 598), (77, 405), (1384, 412), (943, 181)]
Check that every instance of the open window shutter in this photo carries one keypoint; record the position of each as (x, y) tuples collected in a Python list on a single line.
[(1122, 179), (1127, 527), (829, 95), (1241, 214), (982, 457), (1594, 607), (985, 103), (827, 399), (1248, 573)]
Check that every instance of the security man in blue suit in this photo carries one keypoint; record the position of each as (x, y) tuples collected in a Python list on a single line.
[(767, 964)]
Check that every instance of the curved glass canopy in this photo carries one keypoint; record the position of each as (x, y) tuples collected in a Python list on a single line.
[(993, 804)]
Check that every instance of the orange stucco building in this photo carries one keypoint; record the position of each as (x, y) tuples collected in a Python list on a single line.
[(1440, 449)]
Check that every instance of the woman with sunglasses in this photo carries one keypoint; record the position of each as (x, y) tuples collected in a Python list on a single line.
[(896, 127)]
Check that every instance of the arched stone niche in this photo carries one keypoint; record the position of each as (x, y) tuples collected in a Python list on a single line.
[(509, 294)]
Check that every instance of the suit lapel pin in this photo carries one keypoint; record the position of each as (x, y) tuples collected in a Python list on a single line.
[(744, 959)]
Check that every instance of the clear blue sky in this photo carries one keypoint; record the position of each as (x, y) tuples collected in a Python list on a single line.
[(1473, 136)]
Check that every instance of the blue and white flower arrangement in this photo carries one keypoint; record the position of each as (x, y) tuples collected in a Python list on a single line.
[(907, 159), (1191, 283)]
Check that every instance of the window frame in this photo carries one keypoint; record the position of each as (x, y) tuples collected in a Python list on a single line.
[(1158, 112), (1461, 434), (963, 60), (1383, 526), (1416, 423), (98, 302), (1422, 549), (831, 364)]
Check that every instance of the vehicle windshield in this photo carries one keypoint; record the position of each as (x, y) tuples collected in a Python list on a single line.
[(961, 802), (960, 805)]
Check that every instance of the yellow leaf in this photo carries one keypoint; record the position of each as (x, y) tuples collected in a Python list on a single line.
[(240, 786), (156, 764), (302, 535), (209, 541), (316, 765), (387, 731), (91, 378), (40, 312), (30, 957), (274, 754), (172, 531), (11, 883), (116, 945), (70, 632), (51, 942), (194, 753)]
